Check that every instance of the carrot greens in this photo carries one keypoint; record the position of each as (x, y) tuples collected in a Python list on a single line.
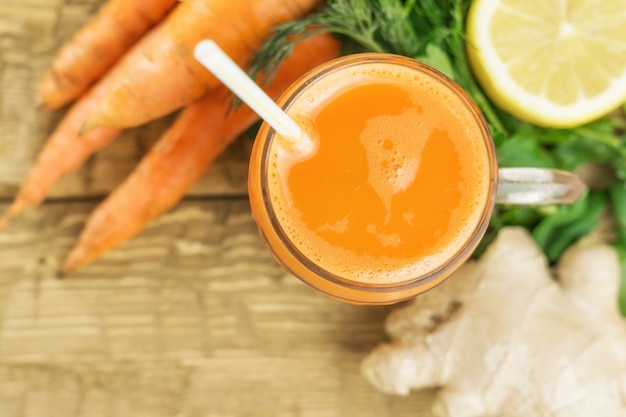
[(433, 31)]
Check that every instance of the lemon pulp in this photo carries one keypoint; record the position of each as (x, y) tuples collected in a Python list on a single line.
[(553, 63)]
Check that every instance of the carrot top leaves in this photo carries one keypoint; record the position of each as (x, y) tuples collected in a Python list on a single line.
[(431, 31)]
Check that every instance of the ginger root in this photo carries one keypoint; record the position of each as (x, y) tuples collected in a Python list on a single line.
[(503, 338)]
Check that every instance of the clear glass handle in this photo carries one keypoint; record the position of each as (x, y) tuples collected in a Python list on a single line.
[(534, 186)]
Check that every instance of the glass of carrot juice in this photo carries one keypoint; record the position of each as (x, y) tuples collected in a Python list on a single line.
[(398, 190)]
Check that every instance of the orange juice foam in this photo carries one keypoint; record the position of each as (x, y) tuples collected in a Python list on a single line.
[(397, 183)]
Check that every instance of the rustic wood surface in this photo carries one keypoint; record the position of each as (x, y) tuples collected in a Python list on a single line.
[(191, 318)]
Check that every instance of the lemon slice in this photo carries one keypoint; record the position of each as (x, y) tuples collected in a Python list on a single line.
[(553, 63)]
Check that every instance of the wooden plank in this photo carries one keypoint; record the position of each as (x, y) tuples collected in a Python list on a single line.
[(191, 318)]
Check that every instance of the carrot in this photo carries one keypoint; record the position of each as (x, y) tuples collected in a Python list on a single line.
[(178, 159), (62, 153), (97, 46), (162, 76), (66, 149)]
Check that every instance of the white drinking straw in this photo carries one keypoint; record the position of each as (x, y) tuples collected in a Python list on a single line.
[(213, 58)]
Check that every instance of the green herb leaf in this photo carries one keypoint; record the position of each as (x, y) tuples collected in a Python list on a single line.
[(523, 150), (568, 224), (438, 59), (620, 248), (503, 216)]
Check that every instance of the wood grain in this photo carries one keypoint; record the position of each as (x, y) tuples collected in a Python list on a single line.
[(191, 318)]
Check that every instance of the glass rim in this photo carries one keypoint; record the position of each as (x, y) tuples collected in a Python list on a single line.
[(473, 239)]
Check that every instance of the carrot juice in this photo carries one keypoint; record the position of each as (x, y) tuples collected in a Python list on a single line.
[(397, 191)]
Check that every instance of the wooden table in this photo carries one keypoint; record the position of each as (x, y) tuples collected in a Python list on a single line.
[(190, 318)]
